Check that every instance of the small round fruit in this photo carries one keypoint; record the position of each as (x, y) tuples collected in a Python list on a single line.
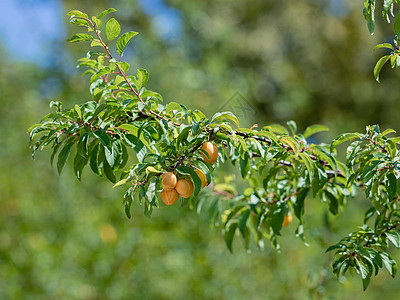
[(184, 187), (169, 197), (169, 180), (211, 150), (287, 219), (202, 177)]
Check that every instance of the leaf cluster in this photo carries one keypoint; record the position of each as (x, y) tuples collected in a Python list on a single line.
[(387, 13), (127, 134)]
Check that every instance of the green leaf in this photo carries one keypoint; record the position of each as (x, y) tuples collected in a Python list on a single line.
[(63, 155), (199, 115), (333, 203), (267, 134), (276, 216), (99, 73), (83, 144), (112, 29), (134, 131), (299, 204), (336, 246), (313, 129), (292, 127), (319, 180), (54, 152), (80, 37), (391, 185), (183, 136), (365, 282), (222, 116), (396, 26), (388, 131), (127, 204), (104, 139), (370, 170), (94, 164), (368, 214), (96, 42), (277, 128), (151, 193), (245, 166), (137, 145), (393, 60), (151, 94), (119, 79), (378, 67), (389, 264), (129, 127), (111, 157), (124, 156), (123, 41), (369, 12), (77, 13), (247, 131), (142, 76), (363, 270), (259, 147), (336, 265), (343, 138), (195, 127), (395, 139), (34, 126), (387, 4), (384, 45), (151, 169), (204, 168), (79, 22), (173, 106), (309, 164), (79, 164), (376, 258), (229, 234), (96, 21), (108, 171), (78, 111), (291, 142), (105, 12), (243, 221), (394, 237), (323, 154), (124, 66)]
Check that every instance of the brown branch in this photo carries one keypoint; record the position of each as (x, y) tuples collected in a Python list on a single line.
[(216, 191), (126, 79), (258, 138), (377, 144)]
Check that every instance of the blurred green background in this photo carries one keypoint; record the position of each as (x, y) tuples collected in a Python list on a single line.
[(306, 60)]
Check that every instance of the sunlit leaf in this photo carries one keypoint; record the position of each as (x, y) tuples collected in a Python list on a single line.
[(112, 29), (378, 67), (313, 129), (77, 13), (384, 45), (343, 138), (123, 41), (80, 37), (105, 12), (222, 116)]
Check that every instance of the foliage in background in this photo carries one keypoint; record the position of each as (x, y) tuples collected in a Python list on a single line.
[(315, 68)]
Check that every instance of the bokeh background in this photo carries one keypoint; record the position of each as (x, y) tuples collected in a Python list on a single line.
[(306, 60)]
